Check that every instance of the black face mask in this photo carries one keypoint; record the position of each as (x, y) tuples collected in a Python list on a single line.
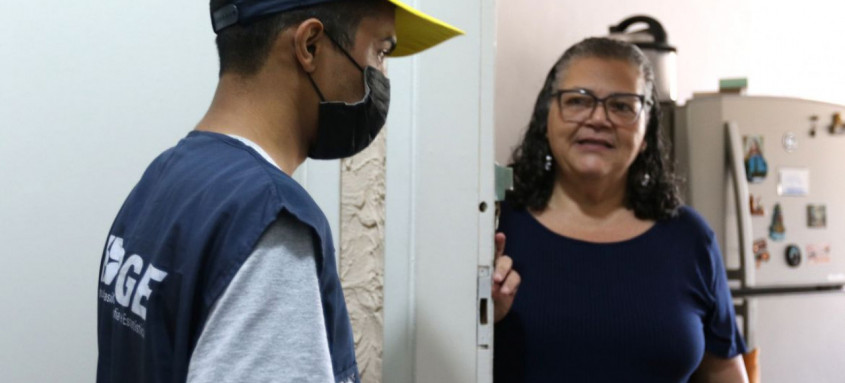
[(344, 129)]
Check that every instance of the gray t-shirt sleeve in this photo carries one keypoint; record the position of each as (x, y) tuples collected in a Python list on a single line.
[(268, 325)]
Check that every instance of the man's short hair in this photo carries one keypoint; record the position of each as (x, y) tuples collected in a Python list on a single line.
[(244, 49)]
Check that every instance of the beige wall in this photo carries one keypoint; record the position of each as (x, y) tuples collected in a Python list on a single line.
[(361, 260), (784, 48)]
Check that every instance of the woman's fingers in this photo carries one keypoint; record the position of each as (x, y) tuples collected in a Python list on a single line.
[(505, 280), (500, 244), (503, 267), (511, 283)]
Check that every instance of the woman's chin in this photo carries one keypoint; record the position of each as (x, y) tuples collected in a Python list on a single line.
[(591, 174), (592, 169)]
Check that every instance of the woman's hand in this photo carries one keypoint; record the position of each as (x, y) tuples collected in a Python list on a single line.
[(505, 281)]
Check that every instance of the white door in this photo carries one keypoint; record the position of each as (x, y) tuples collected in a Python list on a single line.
[(439, 173)]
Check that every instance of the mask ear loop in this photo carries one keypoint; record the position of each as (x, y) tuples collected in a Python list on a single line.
[(360, 68), (316, 88), (314, 84)]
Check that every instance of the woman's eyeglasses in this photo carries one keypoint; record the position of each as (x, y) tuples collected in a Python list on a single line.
[(577, 105)]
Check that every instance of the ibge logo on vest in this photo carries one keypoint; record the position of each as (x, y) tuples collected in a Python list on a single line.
[(120, 286)]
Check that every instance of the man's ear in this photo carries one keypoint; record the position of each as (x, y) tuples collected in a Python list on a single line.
[(307, 41)]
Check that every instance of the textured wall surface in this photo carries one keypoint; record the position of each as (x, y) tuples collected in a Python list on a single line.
[(362, 253), (713, 40)]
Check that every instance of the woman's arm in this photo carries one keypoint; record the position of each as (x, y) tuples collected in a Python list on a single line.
[(720, 370)]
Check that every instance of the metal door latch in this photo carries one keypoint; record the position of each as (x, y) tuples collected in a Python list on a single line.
[(504, 181)]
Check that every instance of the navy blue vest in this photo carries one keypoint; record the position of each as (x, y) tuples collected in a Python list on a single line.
[(179, 239)]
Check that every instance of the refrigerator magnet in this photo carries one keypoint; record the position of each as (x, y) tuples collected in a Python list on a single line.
[(757, 205), (818, 253), (836, 125), (816, 216), (755, 164), (794, 182), (793, 255), (776, 230), (761, 251), (813, 127), (790, 142)]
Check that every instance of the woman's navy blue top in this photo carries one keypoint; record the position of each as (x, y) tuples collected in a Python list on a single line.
[(640, 310)]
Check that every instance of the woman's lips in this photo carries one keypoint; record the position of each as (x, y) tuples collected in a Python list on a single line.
[(596, 143)]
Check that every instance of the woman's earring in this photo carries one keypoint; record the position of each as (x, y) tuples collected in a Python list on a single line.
[(548, 164), (645, 180)]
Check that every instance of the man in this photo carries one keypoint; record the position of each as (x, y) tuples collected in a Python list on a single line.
[(219, 267)]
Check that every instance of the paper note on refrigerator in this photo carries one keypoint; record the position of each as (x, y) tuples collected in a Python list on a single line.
[(794, 182)]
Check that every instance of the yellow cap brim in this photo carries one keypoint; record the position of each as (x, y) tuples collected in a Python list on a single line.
[(416, 31)]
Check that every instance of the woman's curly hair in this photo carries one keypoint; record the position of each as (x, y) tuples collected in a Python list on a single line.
[(652, 191)]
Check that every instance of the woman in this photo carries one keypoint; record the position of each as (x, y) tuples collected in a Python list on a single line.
[(619, 282)]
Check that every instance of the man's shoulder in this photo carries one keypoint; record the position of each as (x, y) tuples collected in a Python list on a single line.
[(206, 152), (220, 177), (216, 162)]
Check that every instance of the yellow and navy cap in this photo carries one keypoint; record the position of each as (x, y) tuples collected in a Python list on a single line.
[(415, 31)]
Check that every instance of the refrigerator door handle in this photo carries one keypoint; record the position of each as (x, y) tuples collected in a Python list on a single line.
[(736, 167)]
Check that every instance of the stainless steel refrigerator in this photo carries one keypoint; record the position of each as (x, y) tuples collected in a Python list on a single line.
[(768, 174)]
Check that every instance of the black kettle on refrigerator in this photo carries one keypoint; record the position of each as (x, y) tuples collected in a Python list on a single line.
[(654, 43)]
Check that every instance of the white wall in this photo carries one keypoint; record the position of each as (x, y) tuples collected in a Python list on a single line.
[(796, 49), (783, 48), (91, 91)]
